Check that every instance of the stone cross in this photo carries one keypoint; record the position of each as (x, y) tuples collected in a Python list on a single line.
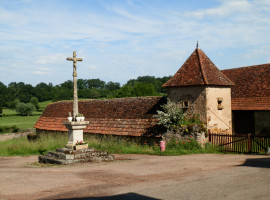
[(75, 92)]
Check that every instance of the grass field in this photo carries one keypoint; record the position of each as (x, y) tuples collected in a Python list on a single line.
[(10, 117), (21, 146)]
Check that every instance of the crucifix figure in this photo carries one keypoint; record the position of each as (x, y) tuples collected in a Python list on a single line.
[(75, 92)]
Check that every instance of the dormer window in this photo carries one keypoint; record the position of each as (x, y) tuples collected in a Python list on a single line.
[(220, 103)]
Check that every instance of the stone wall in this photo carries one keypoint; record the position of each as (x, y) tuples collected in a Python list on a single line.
[(197, 132), (10, 136), (196, 97), (219, 113), (262, 122)]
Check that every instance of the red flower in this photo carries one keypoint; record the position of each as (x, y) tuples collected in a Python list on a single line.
[(190, 136)]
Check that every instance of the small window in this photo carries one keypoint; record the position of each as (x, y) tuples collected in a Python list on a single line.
[(220, 103), (185, 104)]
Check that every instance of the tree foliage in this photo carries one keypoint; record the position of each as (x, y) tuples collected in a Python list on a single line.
[(15, 92), (34, 101), (25, 109)]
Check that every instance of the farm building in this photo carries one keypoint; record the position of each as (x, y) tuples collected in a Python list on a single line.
[(232, 101)]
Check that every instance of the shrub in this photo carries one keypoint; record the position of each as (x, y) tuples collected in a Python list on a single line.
[(171, 116), (25, 109), (9, 129)]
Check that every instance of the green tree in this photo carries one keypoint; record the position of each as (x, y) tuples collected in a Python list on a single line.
[(112, 86), (34, 101), (125, 91), (15, 103), (67, 84), (89, 93), (82, 84), (143, 89), (95, 83), (25, 109), (62, 93), (3, 94), (43, 91)]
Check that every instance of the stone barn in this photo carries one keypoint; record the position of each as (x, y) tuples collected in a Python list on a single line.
[(231, 101)]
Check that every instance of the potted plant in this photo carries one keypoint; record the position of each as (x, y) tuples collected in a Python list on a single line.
[(80, 145), (80, 117)]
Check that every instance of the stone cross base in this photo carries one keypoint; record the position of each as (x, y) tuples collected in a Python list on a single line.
[(75, 132), (65, 156)]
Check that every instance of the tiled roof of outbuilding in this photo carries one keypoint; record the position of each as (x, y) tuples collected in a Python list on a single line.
[(198, 70), (251, 103), (252, 87), (252, 81), (125, 116)]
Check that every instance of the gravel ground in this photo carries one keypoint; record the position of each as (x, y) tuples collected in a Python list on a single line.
[(204, 176)]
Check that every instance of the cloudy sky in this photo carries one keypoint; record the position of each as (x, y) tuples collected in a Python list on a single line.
[(123, 39)]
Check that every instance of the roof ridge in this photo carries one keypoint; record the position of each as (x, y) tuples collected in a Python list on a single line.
[(200, 64), (250, 66)]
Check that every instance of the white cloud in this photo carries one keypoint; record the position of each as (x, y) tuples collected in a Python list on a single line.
[(51, 59), (227, 7), (123, 40), (42, 71)]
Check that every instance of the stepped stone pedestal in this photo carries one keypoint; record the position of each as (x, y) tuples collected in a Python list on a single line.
[(73, 153), (64, 156)]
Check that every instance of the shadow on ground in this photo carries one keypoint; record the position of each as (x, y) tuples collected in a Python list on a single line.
[(257, 162), (128, 196)]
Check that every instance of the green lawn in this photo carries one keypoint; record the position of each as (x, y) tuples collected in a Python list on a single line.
[(22, 122), (10, 117)]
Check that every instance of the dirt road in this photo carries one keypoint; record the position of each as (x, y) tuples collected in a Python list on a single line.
[(208, 176)]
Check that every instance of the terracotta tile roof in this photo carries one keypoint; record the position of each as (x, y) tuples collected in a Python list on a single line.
[(254, 103), (126, 116), (198, 70), (126, 127), (122, 108), (252, 81)]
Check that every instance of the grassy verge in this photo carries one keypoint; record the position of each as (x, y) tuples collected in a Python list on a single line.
[(23, 147), (113, 145)]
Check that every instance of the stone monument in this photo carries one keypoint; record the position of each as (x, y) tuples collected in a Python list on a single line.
[(76, 150), (75, 128)]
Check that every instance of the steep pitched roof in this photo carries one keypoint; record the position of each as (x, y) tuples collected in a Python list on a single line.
[(125, 116), (198, 70)]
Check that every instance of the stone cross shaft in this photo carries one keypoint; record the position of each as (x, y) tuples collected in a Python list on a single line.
[(75, 92)]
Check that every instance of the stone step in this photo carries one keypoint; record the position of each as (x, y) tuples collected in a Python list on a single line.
[(67, 156), (52, 160), (71, 151)]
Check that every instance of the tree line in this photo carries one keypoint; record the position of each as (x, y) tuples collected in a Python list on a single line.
[(14, 92)]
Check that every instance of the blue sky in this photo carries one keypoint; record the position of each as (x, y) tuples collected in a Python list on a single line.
[(123, 39)]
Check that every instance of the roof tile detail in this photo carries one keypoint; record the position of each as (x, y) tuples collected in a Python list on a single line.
[(127, 127), (122, 108), (252, 81), (198, 70), (255, 103)]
